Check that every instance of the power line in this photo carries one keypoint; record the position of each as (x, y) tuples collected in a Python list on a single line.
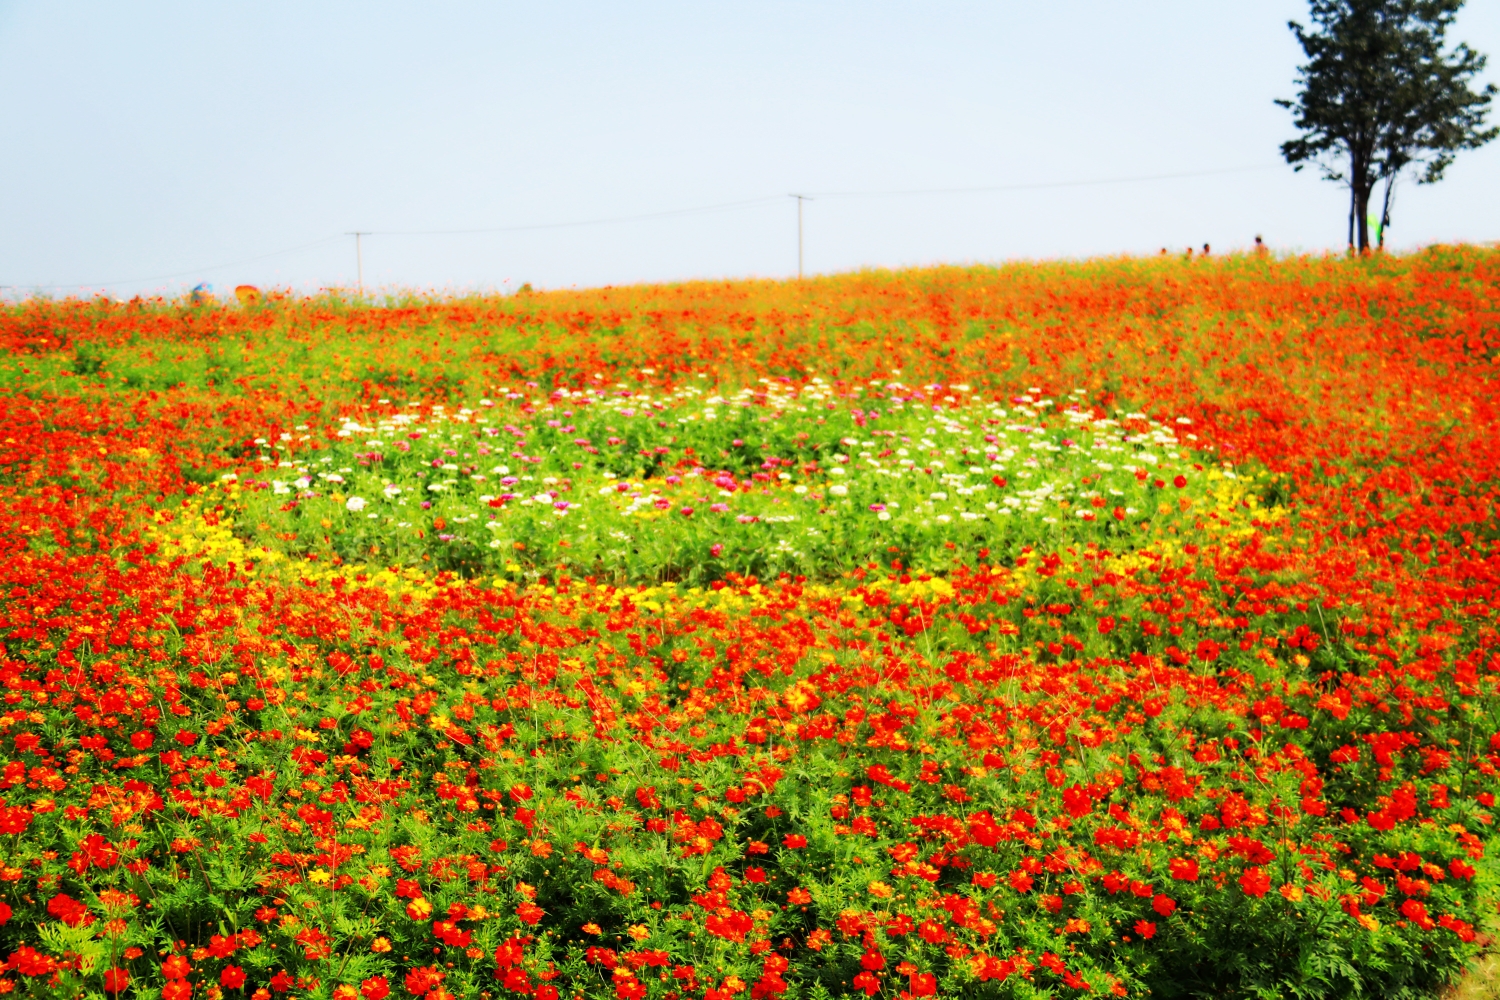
[(1040, 185), (671, 213), (186, 274)]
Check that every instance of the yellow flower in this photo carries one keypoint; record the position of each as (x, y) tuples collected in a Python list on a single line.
[(639, 932), (1293, 893), (594, 929), (318, 876), (880, 889), (380, 945)]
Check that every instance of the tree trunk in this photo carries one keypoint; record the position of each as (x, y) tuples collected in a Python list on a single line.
[(1362, 214), (1385, 208)]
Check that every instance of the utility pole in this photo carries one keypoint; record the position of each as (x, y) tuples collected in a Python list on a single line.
[(359, 259), (800, 199)]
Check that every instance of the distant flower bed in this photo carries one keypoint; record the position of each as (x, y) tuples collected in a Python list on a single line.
[(620, 485)]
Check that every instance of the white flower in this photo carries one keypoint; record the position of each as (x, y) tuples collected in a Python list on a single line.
[(355, 504), (884, 515), (839, 490)]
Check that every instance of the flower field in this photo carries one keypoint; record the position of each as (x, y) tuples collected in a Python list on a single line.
[(1122, 627)]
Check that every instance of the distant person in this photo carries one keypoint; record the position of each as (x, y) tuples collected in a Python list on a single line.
[(1261, 249), (1205, 249), (201, 293)]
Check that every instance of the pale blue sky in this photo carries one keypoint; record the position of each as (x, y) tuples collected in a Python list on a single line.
[(144, 139)]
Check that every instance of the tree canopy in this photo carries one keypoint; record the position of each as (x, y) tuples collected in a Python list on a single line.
[(1381, 92)]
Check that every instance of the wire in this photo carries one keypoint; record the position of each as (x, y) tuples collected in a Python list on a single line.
[(1039, 185), (673, 213), (186, 274), (700, 210)]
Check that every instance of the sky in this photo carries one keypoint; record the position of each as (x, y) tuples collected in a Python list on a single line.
[(151, 146)]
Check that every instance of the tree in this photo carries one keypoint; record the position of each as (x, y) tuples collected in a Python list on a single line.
[(1380, 93)]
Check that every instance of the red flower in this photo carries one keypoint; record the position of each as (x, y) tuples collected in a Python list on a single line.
[(1255, 882), (530, 913), (177, 989), (143, 739), (69, 910), (1185, 869), (1146, 929), (115, 980), (4, 913), (794, 841), (375, 988), (1164, 905), (232, 978), (419, 981)]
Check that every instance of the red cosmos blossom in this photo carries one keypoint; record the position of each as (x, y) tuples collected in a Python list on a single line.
[(232, 978), (176, 967), (1255, 882), (1416, 912), (69, 910), (794, 841), (30, 962), (4, 914), (115, 980), (177, 989), (424, 978), (143, 739), (530, 913), (1165, 905), (375, 988), (923, 984), (1183, 869), (1145, 929)]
